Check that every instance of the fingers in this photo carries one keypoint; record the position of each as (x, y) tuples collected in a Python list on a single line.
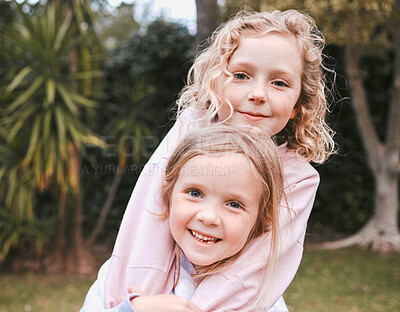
[(133, 289)]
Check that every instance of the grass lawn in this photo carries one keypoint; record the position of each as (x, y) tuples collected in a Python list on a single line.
[(43, 293), (350, 280)]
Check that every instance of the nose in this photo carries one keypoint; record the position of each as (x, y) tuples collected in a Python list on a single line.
[(209, 215), (257, 94)]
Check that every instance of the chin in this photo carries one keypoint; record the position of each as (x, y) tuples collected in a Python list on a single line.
[(199, 262)]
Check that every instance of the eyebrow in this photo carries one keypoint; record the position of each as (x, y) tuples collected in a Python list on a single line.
[(242, 63)]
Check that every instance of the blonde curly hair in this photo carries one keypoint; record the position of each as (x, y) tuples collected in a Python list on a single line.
[(307, 134)]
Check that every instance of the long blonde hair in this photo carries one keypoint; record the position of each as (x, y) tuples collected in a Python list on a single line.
[(260, 151), (307, 134)]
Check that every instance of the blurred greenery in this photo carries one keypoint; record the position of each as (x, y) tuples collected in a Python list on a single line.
[(350, 280), (43, 112), (141, 77)]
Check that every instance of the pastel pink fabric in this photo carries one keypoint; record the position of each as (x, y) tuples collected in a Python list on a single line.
[(144, 255)]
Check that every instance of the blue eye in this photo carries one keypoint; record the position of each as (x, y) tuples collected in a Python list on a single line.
[(194, 193), (280, 83), (235, 205), (240, 76)]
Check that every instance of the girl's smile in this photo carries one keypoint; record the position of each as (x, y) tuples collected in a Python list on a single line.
[(265, 84), (253, 116), (212, 212), (203, 238)]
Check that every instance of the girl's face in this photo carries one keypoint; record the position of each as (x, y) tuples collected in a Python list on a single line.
[(214, 206), (266, 82)]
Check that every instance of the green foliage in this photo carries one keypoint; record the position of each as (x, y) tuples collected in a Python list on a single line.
[(117, 28), (40, 99), (231, 7), (47, 70), (158, 56), (7, 14), (29, 237), (40, 113), (142, 78), (333, 17)]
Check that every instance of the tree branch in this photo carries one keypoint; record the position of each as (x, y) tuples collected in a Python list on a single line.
[(106, 208)]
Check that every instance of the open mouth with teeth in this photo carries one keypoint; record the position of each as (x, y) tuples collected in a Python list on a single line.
[(203, 238)]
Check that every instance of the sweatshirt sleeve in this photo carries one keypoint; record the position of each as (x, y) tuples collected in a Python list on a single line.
[(244, 278), (94, 301)]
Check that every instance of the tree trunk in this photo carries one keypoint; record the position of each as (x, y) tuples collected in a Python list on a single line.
[(386, 212), (81, 260), (105, 209), (207, 14), (56, 262)]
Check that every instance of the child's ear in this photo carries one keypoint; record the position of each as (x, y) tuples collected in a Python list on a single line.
[(164, 184), (296, 109), (293, 114)]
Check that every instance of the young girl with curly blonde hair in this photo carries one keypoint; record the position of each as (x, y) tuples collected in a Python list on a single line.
[(261, 70)]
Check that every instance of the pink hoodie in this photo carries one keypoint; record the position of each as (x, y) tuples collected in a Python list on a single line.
[(144, 255)]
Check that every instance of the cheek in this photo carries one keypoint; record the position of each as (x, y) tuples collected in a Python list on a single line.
[(224, 112), (226, 92), (286, 109), (176, 219), (241, 231), (234, 93)]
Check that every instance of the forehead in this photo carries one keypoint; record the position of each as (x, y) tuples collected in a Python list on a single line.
[(216, 165), (271, 48), (229, 173), (266, 35)]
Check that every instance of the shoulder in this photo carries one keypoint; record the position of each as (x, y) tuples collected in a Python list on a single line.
[(296, 169)]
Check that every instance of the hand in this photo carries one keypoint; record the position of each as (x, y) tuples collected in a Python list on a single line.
[(161, 303), (133, 289)]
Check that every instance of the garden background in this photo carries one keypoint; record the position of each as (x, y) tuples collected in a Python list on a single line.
[(86, 94)]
